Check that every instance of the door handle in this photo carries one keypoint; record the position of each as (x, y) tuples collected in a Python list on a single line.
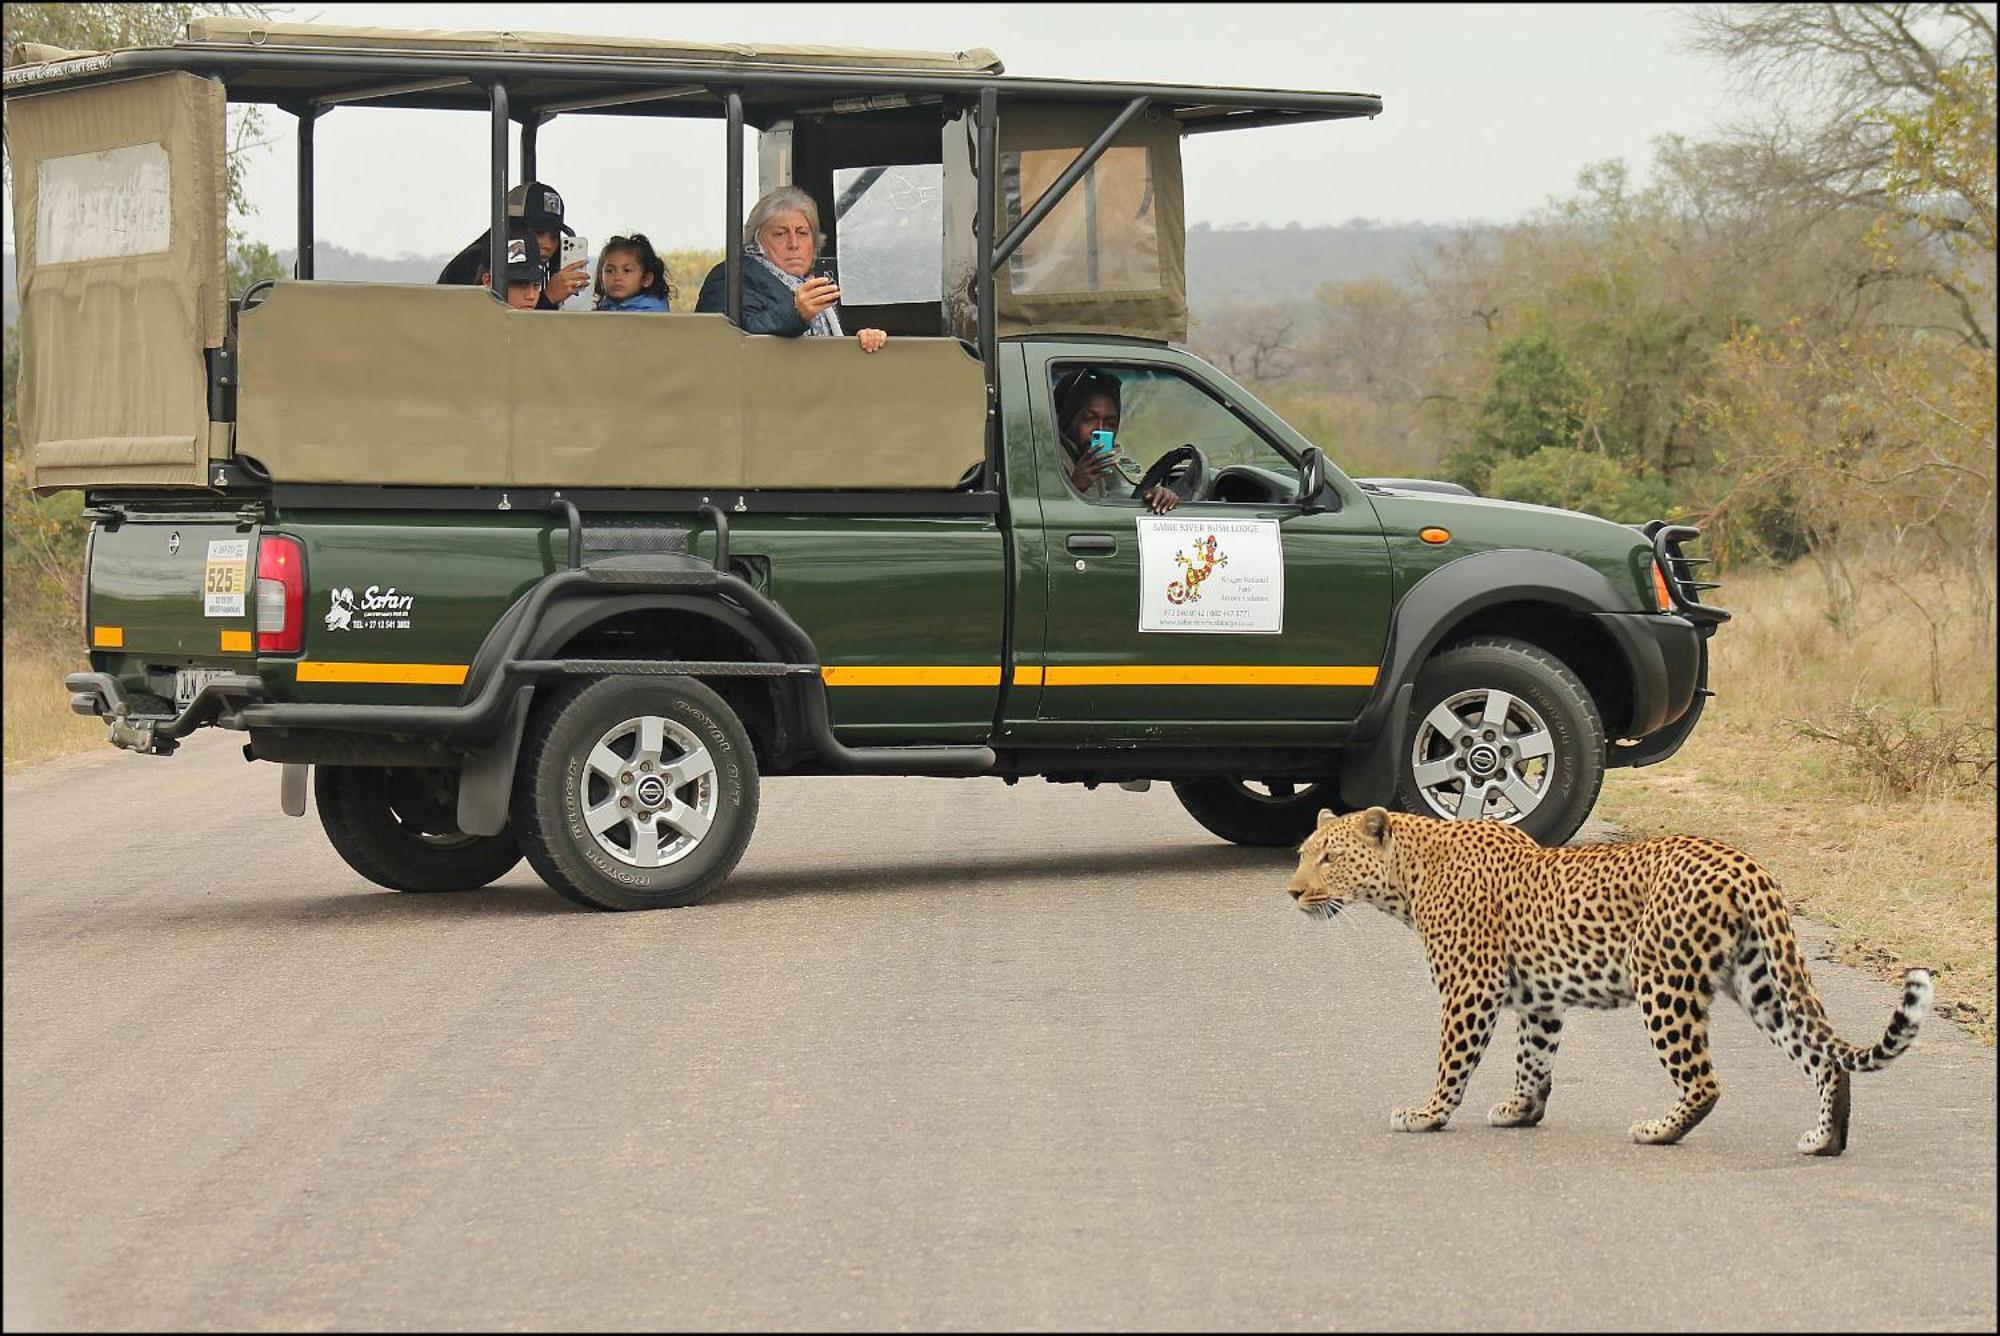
[(1098, 543)]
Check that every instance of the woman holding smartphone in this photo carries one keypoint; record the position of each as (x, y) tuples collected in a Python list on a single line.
[(781, 292)]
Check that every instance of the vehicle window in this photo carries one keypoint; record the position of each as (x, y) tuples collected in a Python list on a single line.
[(1101, 238), (890, 221), (103, 206), (1160, 410)]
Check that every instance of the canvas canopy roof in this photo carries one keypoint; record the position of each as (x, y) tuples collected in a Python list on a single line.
[(118, 203), (306, 64)]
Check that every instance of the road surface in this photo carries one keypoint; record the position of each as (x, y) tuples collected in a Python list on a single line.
[(941, 1054)]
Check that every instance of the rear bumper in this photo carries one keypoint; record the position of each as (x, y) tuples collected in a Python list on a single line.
[(99, 694)]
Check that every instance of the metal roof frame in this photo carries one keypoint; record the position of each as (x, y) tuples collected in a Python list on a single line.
[(531, 88)]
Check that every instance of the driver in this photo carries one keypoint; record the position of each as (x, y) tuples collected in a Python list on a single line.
[(1087, 401)]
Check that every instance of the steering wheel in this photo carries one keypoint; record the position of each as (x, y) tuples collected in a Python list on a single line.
[(1180, 470)]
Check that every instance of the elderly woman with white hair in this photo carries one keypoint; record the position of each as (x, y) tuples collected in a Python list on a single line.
[(781, 239)]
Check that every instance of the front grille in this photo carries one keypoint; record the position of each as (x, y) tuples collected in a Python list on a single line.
[(1681, 570)]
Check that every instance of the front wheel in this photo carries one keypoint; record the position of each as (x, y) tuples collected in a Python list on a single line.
[(398, 827), (636, 793), (1502, 730), (1268, 813)]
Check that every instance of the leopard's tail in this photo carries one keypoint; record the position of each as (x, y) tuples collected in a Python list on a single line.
[(1774, 986)]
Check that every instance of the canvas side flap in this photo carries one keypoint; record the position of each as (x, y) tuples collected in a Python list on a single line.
[(820, 413), (375, 383), (442, 386), (118, 218), (604, 399), (1111, 257)]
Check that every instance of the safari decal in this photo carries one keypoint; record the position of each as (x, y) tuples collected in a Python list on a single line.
[(377, 609), (1212, 576), (1199, 567)]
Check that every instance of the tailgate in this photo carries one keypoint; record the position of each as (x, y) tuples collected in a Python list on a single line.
[(177, 586)]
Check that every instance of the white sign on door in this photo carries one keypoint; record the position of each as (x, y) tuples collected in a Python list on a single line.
[(1211, 575)]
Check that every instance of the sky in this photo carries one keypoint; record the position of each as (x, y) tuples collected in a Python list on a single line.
[(1489, 110)]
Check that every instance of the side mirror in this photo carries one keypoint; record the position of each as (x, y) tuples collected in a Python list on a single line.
[(1312, 481)]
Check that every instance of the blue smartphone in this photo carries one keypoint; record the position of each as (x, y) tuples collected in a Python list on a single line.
[(1101, 442)]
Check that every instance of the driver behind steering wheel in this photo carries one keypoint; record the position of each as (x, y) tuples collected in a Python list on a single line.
[(1087, 401)]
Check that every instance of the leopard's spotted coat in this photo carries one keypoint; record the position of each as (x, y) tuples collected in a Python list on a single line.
[(1665, 922)]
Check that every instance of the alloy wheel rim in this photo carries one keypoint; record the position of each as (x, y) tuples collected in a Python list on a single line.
[(649, 792), (1275, 792), (1483, 754)]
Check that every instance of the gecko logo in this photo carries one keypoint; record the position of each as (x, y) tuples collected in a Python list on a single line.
[(377, 609), (173, 542)]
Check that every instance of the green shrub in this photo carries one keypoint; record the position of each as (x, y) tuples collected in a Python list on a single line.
[(1582, 480)]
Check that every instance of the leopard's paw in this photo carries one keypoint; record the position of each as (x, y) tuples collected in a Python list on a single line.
[(1417, 1120), (1821, 1141), (1659, 1132), (1516, 1112)]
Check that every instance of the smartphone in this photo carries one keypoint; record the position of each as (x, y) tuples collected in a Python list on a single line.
[(573, 249), (827, 267), (1101, 442)]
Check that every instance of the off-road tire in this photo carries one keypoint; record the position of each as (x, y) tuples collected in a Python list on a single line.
[(383, 830), (1243, 816), (1547, 686), (554, 783)]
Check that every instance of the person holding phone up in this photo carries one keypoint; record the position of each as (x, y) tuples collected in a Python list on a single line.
[(1087, 411), (782, 292), (539, 208)]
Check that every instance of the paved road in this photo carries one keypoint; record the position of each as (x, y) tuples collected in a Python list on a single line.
[(943, 1054)]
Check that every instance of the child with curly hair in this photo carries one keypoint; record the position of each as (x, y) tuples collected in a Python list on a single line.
[(631, 276)]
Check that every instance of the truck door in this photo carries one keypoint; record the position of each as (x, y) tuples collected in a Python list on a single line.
[(1237, 608)]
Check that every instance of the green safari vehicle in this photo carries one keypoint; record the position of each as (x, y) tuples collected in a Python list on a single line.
[(365, 526)]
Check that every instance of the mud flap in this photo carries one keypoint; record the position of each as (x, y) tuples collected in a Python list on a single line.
[(292, 787), (486, 783), (1368, 776)]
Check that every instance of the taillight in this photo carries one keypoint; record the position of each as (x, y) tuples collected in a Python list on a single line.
[(281, 594), (83, 587), (1663, 599)]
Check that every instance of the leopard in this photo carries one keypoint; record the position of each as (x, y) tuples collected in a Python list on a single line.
[(1666, 922)]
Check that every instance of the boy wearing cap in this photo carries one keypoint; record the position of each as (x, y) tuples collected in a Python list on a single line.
[(540, 208), (525, 272)]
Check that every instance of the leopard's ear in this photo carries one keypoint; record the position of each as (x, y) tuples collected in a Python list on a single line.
[(1375, 824), (1325, 816)]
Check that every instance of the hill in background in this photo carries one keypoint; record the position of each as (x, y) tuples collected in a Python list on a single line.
[(1225, 264)]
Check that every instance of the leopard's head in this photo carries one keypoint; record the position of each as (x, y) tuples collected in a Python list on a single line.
[(1346, 861)]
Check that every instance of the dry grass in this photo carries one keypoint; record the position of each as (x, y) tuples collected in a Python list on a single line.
[(39, 724), (1907, 877)]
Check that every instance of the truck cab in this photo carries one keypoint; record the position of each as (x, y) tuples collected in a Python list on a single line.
[(358, 524)]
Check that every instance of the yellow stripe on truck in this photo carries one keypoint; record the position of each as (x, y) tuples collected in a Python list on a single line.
[(108, 637), (1209, 675), (912, 677), (1148, 675), (398, 674)]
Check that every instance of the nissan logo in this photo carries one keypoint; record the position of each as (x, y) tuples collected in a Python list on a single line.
[(173, 542)]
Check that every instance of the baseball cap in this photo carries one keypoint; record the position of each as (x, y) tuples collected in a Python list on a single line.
[(537, 205), (524, 256)]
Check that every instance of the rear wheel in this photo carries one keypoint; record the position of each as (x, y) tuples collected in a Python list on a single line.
[(636, 793), (1269, 813), (398, 827), (1502, 730)]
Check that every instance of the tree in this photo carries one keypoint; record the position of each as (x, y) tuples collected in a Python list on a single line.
[(1840, 89), (1252, 341), (1538, 400)]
